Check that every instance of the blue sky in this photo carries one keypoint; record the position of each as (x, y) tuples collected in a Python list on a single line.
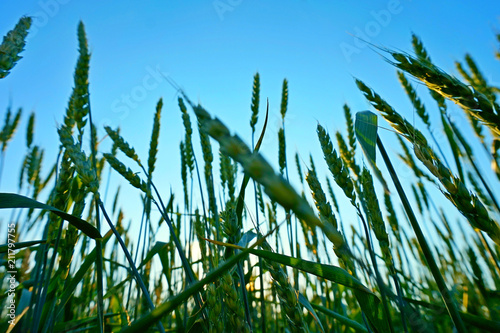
[(212, 49)]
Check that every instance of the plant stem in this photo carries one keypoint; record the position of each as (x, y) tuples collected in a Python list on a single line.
[(443, 289), (131, 263)]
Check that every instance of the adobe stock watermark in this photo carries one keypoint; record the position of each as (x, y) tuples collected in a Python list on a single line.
[(362, 36), (127, 102), (11, 274), (48, 9), (221, 7)]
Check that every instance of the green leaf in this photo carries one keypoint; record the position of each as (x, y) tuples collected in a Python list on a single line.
[(329, 272), (366, 133), (73, 282), (368, 301), (11, 200), (154, 250), (4, 248), (141, 324), (482, 323), (303, 300), (344, 320), (81, 325), (116, 289), (149, 319)]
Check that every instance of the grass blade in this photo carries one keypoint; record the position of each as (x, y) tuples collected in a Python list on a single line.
[(344, 320), (149, 319), (11, 200), (433, 267)]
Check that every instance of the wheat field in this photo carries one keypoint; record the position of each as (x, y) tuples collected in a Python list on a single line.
[(247, 251)]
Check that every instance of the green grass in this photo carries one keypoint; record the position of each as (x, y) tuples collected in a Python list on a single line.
[(324, 273)]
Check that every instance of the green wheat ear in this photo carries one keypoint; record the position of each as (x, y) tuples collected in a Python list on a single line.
[(30, 130), (79, 101), (9, 128), (13, 43), (497, 53), (284, 99), (260, 170), (122, 144), (336, 165), (153, 145), (473, 101), (255, 101)]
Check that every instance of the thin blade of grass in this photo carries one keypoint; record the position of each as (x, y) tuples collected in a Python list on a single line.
[(305, 302), (429, 258), (344, 320), (11, 200), (471, 319), (246, 178), (5, 247), (78, 277), (366, 133), (368, 301), (149, 319)]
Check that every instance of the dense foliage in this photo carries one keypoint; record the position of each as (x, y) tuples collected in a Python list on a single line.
[(226, 267)]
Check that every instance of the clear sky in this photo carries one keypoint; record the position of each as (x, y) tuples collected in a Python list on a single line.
[(212, 49)]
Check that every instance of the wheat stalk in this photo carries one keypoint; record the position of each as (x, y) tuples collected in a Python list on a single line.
[(467, 203), (259, 169)]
